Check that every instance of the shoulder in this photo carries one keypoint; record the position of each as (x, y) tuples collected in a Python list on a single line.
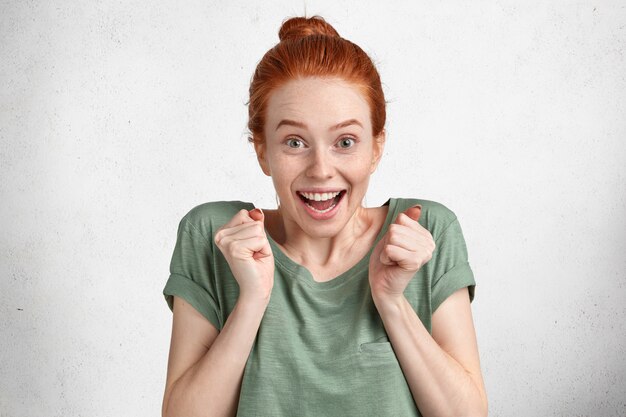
[(436, 217), (207, 217)]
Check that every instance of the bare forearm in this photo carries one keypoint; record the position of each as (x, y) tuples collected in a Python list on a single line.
[(439, 384), (212, 386)]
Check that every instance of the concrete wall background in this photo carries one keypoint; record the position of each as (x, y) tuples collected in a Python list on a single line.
[(116, 118)]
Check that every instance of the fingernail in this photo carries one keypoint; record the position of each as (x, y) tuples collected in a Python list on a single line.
[(419, 206), (258, 210)]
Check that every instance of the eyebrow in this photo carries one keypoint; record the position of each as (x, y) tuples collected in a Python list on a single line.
[(287, 122)]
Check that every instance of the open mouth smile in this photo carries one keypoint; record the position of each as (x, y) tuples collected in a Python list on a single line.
[(321, 203)]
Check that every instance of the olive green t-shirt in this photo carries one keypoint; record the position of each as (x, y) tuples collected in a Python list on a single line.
[(321, 349)]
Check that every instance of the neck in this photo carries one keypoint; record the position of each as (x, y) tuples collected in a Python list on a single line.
[(308, 249)]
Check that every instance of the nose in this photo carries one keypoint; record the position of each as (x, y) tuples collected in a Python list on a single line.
[(320, 165)]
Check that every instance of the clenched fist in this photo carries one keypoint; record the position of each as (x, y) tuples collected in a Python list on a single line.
[(402, 251), (244, 244)]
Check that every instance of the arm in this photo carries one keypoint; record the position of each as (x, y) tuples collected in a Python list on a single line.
[(205, 367), (443, 371)]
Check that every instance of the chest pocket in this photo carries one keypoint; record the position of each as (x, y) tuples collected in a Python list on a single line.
[(378, 346)]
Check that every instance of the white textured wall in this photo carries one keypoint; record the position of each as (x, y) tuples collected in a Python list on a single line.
[(116, 118)]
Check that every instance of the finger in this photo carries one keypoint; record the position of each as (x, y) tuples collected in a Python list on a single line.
[(245, 248), (257, 214), (414, 212), (410, 239), (406, 219), (242, 216), (243, 231), (410, 231), (395, 255), (384, 258), (253, 228), (409, 216), (263, 251)]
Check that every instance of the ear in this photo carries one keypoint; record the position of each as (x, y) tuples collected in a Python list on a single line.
[(259, 148), (379, 147)]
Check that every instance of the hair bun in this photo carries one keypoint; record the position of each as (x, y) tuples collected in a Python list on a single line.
[(300, 27)]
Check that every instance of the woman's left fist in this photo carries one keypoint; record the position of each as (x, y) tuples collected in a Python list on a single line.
[(401, 252)]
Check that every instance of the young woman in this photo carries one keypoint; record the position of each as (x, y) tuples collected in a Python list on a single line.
[(321, 307)]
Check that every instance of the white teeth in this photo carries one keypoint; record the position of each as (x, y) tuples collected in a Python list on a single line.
[(320, 196)]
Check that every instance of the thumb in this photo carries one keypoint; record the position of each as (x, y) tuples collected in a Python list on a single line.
[(257, 214), (414, 212)]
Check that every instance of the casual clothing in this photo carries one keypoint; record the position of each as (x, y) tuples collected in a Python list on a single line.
[(321, 349)]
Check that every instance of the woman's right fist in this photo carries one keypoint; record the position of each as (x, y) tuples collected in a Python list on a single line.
[(244, 244)]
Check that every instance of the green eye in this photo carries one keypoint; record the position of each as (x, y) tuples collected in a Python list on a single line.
[(293, 140), (346, 143)]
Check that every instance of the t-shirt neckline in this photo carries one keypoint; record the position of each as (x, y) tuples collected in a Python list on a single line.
[(304, 275)]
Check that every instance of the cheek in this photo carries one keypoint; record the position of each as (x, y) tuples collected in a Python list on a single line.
[(282, 173), (359, 169)]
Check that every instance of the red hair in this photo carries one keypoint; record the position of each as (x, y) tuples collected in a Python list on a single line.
[(311, 47)]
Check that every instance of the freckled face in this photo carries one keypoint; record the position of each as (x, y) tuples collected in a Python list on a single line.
[(319, 143)]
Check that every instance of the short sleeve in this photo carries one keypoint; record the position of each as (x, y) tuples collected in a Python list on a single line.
[(451, 267), (190, 273)]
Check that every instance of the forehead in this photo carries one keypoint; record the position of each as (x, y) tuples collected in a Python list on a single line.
[(318, 101)]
